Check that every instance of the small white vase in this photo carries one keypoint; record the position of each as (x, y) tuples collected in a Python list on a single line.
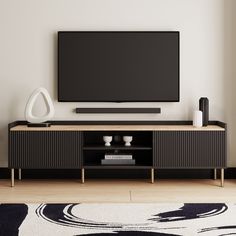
[(197, 118), (30, 104), (127, 140), (107, 140)]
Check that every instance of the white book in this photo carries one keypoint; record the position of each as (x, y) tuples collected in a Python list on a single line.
[(118, 156)]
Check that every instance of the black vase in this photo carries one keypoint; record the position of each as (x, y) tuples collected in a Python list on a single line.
[(204, 107)]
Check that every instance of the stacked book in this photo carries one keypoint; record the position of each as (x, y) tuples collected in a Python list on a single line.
[(118, 159)]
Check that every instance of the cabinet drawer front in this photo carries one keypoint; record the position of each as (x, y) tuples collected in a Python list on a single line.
[(45, 149), (189, 149)]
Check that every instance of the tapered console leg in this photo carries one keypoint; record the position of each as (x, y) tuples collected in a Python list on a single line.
[(152, 175), (215, 174), (82, 175), (12, 178), (222, 177), (19, 174)]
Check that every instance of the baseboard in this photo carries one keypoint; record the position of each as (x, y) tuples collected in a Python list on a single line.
[(230, 173)]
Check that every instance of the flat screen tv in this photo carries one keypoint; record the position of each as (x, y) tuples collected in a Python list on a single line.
[(127, 66)]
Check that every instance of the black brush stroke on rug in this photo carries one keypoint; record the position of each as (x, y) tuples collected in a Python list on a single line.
[(11, 218), (228, 227), (56, 213), (129, 233), (192, 211)]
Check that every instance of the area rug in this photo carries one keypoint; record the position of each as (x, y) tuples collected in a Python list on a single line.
[(122, 219)]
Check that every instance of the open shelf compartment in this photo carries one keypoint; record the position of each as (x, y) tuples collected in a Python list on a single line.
[(94, 148)]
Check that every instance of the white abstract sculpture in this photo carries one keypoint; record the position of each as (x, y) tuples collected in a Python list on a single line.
[(29, 106)]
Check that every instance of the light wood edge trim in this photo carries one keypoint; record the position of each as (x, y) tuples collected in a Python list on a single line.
[(118, 128)]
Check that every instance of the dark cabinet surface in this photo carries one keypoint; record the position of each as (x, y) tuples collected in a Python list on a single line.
[(189, 149), (45, 149)]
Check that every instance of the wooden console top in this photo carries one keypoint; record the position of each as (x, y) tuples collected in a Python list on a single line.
[(118, 128)]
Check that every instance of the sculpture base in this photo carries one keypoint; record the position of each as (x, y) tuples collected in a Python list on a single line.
[(39, 125)]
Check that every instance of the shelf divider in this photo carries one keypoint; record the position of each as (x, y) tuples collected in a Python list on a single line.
[(105, 148), (117, 167)]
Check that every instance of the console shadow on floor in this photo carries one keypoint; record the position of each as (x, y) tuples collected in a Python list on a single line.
[(65, 191)]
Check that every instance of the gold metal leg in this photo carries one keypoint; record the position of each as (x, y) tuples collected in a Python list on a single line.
[(82, 175), (19, 174), (215, 174), (152, 175), (222, 177), (12, 178)]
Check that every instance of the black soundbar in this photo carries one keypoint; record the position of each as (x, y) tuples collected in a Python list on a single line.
[(118, 110)]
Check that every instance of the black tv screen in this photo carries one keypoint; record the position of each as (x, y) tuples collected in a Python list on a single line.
[(118, 66)]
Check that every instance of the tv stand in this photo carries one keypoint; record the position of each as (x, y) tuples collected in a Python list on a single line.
[(79, 145)]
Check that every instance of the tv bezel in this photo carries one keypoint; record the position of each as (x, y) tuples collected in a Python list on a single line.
[(117, 101)]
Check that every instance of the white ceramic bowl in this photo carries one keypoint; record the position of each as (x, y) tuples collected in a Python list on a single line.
[(107, 140), (127, 140)]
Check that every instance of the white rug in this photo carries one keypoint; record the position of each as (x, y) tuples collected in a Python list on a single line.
[(117, 219)]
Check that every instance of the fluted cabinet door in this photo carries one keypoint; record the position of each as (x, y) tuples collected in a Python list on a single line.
[(189, 149), (45, 149)]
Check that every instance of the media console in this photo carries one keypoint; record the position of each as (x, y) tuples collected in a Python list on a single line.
[(79, 145)]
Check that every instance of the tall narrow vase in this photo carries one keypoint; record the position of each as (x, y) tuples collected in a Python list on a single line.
[(204, 107)]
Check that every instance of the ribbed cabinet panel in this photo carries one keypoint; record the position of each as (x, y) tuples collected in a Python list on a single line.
[(189, 149), (45, 149)]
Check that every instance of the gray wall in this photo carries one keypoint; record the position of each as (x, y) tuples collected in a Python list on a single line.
[(28, 53)]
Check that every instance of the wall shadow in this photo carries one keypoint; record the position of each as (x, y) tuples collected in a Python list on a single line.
[(230, 76)]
